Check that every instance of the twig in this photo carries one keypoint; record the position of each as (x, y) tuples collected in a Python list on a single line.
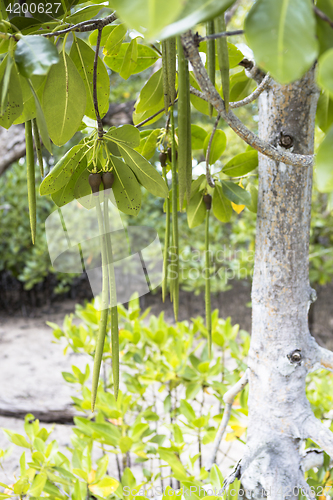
[(210, 181), (224, 34), (153, 116), (98, 116), (90, 25), (237, 104), (315, 430), (228, 398), (322, 16), (241, 130), (229, 14)]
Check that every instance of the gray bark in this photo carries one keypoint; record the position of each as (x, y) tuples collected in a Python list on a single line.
[(282, 349)]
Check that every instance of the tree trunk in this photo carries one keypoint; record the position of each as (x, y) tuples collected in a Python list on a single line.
[(281, 294)]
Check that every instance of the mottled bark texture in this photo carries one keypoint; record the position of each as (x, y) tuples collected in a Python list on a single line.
[(282, 350)]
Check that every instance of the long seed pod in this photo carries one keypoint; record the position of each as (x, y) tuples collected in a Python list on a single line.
[(223, 59), (104, 306), (174, 266), (166, 243), (166, 94), (208, 202), (38, 146), (184, 126), (210, 57), (113, 301), (31, 178), (171, 65)]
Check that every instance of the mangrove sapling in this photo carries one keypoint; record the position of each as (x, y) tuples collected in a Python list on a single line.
[(223, 59), (31, 179), (208, 202)]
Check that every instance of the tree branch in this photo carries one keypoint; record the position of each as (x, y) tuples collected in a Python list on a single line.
[(322, 16), (154, 115), (224, 34), (228, 398), (215, 99), (325, 358), (90, 25), (313, 457), (320, 434)]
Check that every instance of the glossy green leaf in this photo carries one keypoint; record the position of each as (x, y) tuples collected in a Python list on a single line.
[(146, 57), (196, 210), (148, 144), (85, 14), (219, 143), (198, 135), (63, 170), (324, 164), (221, 205), (324, 112), (147, 17), (107, 30), (254, 198), (113, 42), (126, 133), (83, 58), (66, 193), (241, 164), (126, 189), (325, 72), (235, 193), (144, 171), (29, 107), (140, 117), (34, 55), (130, 60), (13, 103), (152, 92), (64, 101), (282, 35)]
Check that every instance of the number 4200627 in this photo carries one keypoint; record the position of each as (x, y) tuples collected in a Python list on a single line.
[(32, 8)]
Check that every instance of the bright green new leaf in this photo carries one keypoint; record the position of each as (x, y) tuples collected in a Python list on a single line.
[(235, 193), (325, 71), (152, 92), (144, 171), (16, 438), (324, 112), (147, 17), (63, 170), (83, 58), (64, 101), (198, 136), (324, 164), (282, 35), (105, 34), (219, 143), (215, 477), (170, 458), (126, 189), (34, 55), (146, 57), (38, 484), (221, 205), (125, 444), (126, 133), (196, 210), (241, 164), (113, 43), (130, 60)]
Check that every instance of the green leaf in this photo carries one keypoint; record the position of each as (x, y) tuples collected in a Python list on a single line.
[(195, 12), (324, 164), (125, 444), (197, 102), (148, 143), (235, 55), (113, 43), (235, 193), (240, 86), (107, 432), (64, 101), (196, 210), (29, 107), (140, 117), (324, 30), (126, 188), (241, 164), (34, 55), (221, 205), (41, 122), (37, 485), (170, 458), (84, 14), (147, 17), (14, 102), (325, 71), (282, 35), (146, 57), (66, 193), (145, 172), (130, 60), (127, 134), (61, 173), (254, 197), (107, 30), (218, 145), (83, 58), (16, 438), (324, 113), (152, 92), (198, 136), (215, 477)]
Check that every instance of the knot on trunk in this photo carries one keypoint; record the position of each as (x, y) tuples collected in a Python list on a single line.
[(295, 357), (286, 141)]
